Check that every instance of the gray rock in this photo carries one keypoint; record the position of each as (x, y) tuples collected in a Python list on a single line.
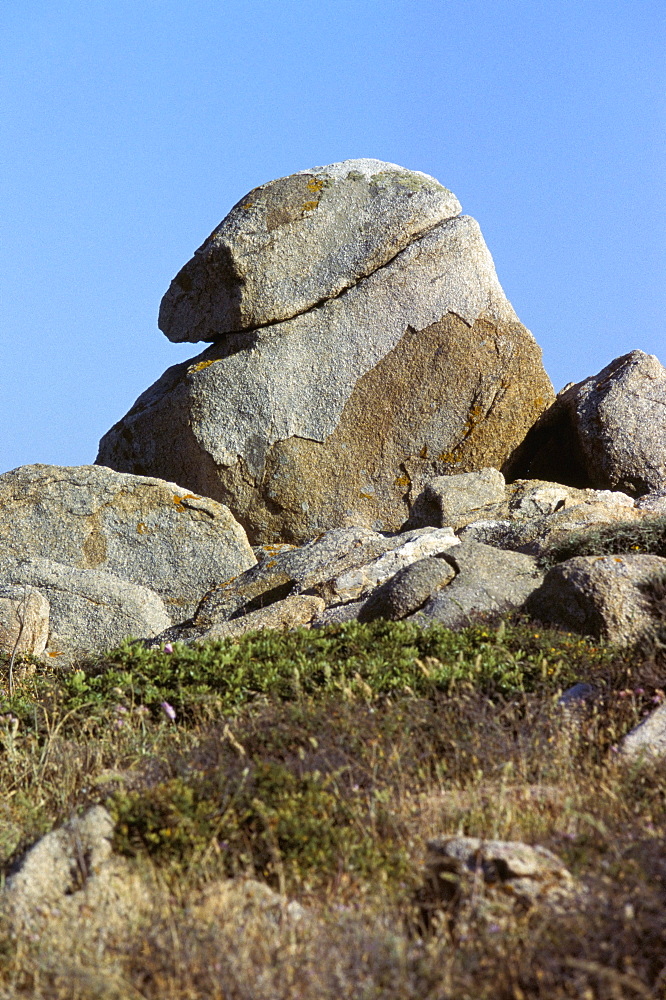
[(654, 502), (608, 431), (146, 531), (577, 696), (24, 619), (488, 581), (70, 890), (465, 866), (457, 499), (58, 865), (335, 416), (297, 241), (408, 590), (290, 613), (603, 596), (646, 741), (341, 565), (534, 535), (90, 611), (411, 547)]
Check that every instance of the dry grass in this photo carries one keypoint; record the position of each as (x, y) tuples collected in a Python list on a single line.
[(365, 781)]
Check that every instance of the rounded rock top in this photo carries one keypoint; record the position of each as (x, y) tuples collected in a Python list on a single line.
[(297, 241)]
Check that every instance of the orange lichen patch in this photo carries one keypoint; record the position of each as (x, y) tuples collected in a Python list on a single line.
[(367, 496), (424, 451), (54, 652), (315, 185), (200, 367), (308, 206), (141, 528), (402, 482), (190, 496)]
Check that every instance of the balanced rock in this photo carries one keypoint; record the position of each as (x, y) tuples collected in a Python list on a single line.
[(363, 345), (608, 431), (297, 241), (145, 531)]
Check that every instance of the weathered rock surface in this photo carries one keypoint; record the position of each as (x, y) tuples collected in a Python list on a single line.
[(654, 502), (73, 895), (604, 596), (408, 548), (297, 241), (408, 590), (535, 535), (457, 499), (488, 582), (608, 431), (330, 418), (344, 564), (24, 619), (291, 612), (90, 611), (646, 741), (145, 531)]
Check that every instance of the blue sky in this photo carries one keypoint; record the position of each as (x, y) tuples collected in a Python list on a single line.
[(130, 128)]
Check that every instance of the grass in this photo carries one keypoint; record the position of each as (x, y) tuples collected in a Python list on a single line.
[(647, 536), (320, 763)]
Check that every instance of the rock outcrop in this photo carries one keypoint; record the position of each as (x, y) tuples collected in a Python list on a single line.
[(362, 345)]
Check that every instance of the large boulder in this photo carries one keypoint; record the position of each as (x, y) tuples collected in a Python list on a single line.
[(399, 360), (298, 240), (605, 596), (608, 431), (145, 531)]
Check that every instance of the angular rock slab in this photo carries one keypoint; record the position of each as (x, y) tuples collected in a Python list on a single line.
[(296, 611), (488, 581), (91, 611), (603, 596), (335, 416), (408, 590), (608, 431), (146, 531), (294, 242)]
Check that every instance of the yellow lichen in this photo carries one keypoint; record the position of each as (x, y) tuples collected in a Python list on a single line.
[(202, 364), (309, 206), (315, 185), (367, 496), (141, 528), (402, 482)]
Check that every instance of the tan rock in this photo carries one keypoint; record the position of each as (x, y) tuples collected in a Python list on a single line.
[(292, 612), (24, 619), (604, 596)]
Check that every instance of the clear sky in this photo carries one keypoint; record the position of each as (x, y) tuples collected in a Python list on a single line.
[(130, 127)]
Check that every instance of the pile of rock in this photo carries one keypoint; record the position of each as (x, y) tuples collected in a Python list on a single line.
[(371, 417)]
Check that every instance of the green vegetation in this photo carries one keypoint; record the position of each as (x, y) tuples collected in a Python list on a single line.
[(646, 536), (320, 762)]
